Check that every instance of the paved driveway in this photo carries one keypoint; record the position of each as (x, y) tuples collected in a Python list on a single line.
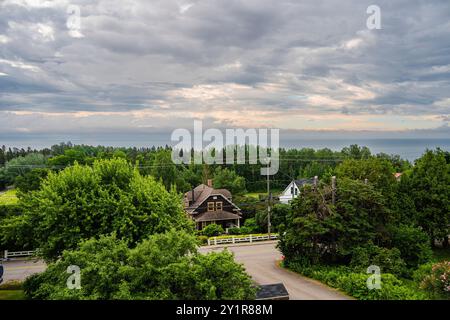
[(260, 259), (20, 269)]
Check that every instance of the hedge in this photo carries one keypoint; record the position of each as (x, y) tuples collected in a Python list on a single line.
[(355, 284)]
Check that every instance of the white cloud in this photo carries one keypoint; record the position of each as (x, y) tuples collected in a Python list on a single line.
[(4, 39), (255, 63), (20, 65)]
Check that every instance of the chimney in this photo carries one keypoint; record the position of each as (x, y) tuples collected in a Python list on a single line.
[(210, 183), (193, 195)]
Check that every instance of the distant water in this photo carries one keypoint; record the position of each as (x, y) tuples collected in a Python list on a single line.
[(407, 148)]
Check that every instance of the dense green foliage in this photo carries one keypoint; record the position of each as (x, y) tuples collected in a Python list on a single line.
[(336, 242), (428, 188), (228, 179), (20, 166), (31, 181), (212, 230), (166, 266), (436, 280), (413, 243), (69, 194), (355, 283), (81, 202), (320, 232)]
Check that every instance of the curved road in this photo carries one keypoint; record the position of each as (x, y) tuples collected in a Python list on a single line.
[(260, 260)]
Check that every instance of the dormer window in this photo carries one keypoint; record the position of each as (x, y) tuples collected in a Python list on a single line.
[(210, 206), (219, 206)]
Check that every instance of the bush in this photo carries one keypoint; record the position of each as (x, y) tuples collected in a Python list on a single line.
[(202, 240), (9, 212), (388, 260), (355, 283), (166, 266), (437, 282), (212, 230), (234, 231), (31, 180), (413, 243)]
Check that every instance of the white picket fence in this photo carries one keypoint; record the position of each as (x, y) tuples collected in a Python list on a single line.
[(14, 254), (249, 238)]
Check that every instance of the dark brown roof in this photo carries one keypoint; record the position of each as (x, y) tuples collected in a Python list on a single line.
[(216, 215), (202, 192)]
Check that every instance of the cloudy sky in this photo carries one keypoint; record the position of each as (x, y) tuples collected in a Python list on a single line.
[(135, 65)]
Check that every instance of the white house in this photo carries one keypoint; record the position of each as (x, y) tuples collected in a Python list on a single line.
[(293, 190)]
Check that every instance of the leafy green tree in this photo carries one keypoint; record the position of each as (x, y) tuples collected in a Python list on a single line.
[(20, 166), (428, 186), (69, 157), (166, 266), (378, 172), (399, 164), (228, 179), (413, 243), (278, 216), (167, 172), (356, 152), (318, 231), (31, 180), (81, 202), (389, 260)]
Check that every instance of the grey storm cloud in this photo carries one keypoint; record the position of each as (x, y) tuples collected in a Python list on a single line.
[(217, 58)]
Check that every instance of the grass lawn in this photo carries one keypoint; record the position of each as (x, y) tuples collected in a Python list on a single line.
[(275, 193), (12, 295), (253, 195), (8, 197)]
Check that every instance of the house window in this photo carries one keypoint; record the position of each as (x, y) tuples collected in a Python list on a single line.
[(210, 206), (219, 206), (292, 190), (296, 191)]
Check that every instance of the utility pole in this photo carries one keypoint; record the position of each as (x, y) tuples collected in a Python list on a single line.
[(268, 198)]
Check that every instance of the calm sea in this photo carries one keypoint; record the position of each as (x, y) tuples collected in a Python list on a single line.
[(408, 148)]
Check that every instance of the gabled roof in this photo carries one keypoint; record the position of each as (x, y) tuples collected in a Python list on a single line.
[(216, 215), (302, 182), (299, 182), (202, 192)]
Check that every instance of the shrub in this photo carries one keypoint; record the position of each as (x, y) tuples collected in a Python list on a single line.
[(166, 266), (388, 260), (31, 180), (438, 281), (234, 231), (355, 283), (422, 272), (212, 230), (413, 243), (202, 240)]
